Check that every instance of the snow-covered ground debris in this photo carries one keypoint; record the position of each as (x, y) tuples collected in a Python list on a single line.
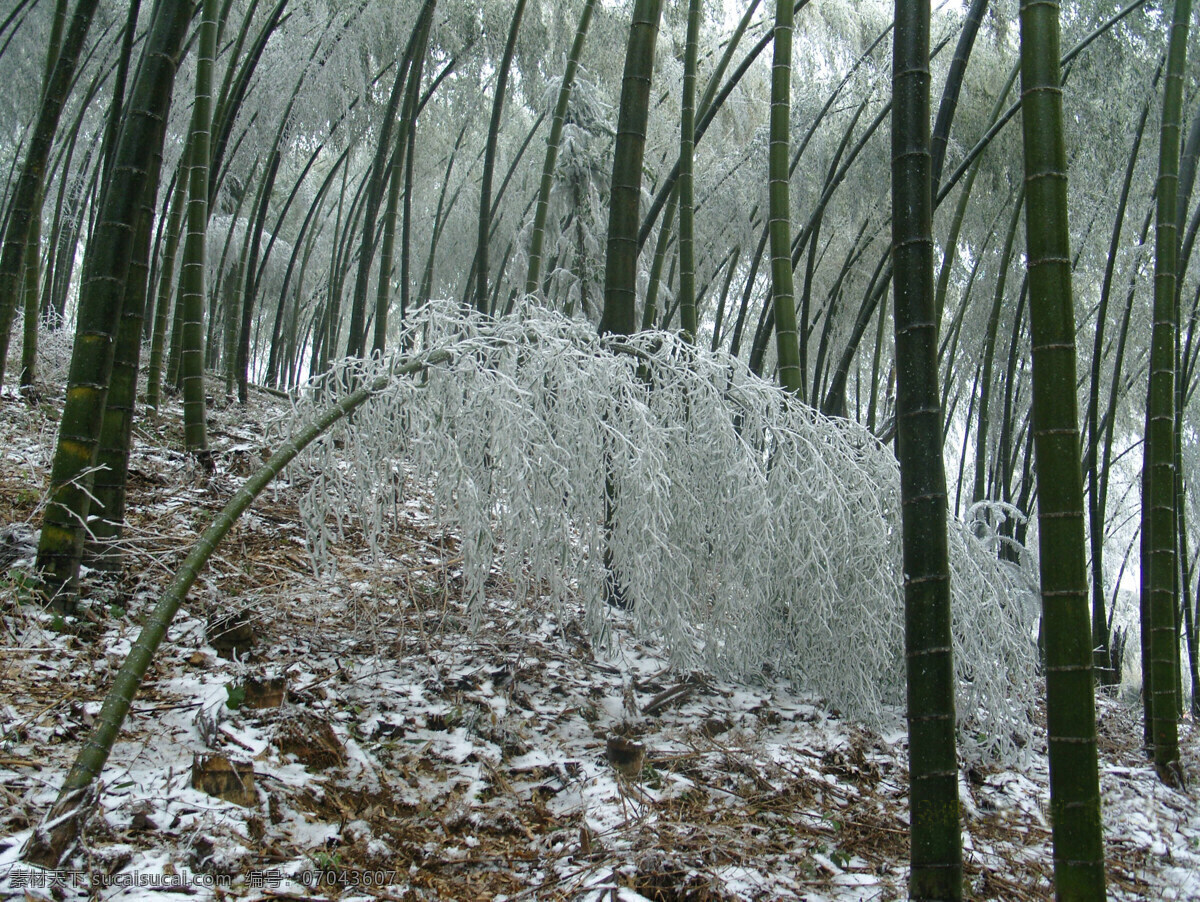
[(396, 753)]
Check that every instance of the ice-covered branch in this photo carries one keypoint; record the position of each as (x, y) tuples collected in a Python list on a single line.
[(754, 537)]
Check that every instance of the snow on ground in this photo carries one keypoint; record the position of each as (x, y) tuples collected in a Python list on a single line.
[(397, 754)]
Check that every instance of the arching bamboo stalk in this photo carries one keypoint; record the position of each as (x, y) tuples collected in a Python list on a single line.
[(46, 845)]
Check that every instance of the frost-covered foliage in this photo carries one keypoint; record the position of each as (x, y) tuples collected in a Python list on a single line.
[(753, 537), (54, 352)]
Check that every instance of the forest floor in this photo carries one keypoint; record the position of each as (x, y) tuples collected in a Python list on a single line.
[(369, 745)]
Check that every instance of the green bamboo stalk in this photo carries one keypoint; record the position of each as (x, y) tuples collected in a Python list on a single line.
[(387, 249), (553, 141), (306, 229), (15, 16), (1159, 515), (1101, 638), (782, 289), (439, 219), (116, 109), (192, 273), (1184, 386), (86, 174), (356, 337), (857, 248), (1119, 387), (293, 353), (229, 101), (472, 283), (30, 300), (232, 284), (406, 225), (29, 345), (951, 337), (838, 169), (735, 341), (837, 172), (64, 233), (273, 362), (1191, 620), (878, 286), (732, 261), (972, 394), (834, 178), (343, 230), (220, 293), (951, 242), (715, 94), (112, 454), (106, 269), (1070, 704), (240, 366), (620, 269), (1086, 41), (983, 416), (156, 249), (401, 172), (810, 234), (936, 850), (954, 79), (650, 308), (948, 351), (876, 357), (29, 184), (489, 162), (233, 53), (687, 189), (1001, 482)]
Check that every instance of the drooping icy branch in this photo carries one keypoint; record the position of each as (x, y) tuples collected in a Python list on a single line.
[(756, 537)]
